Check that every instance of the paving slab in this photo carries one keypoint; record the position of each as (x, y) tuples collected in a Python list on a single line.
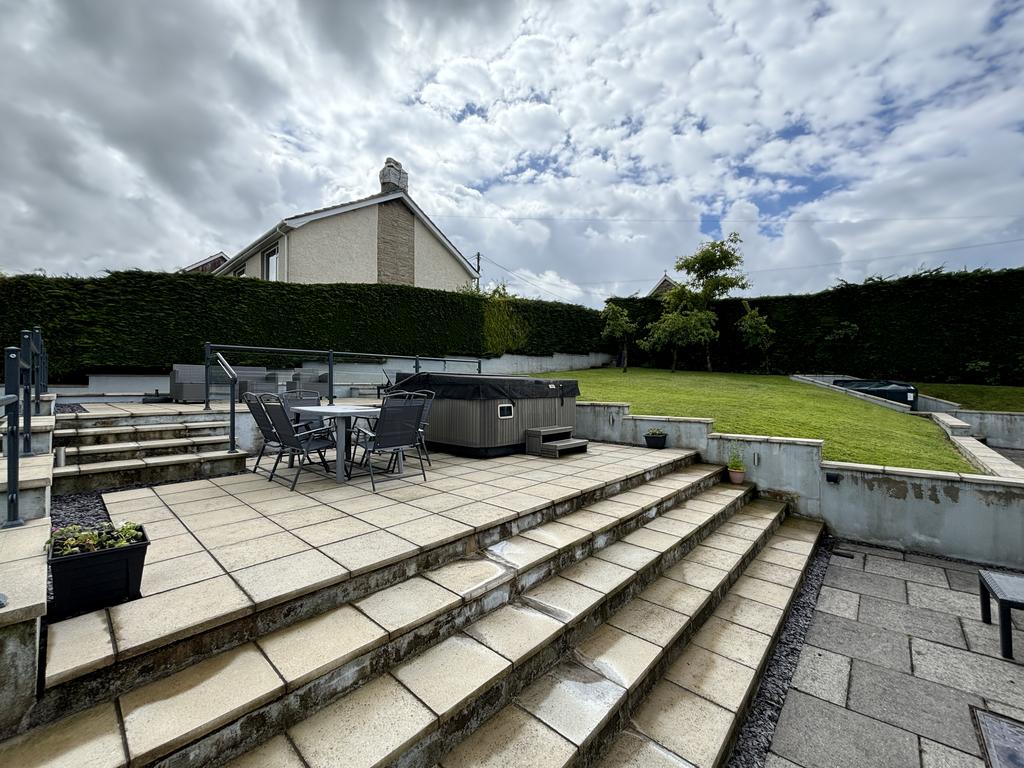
[(407, 604), (823, 674), (838, 602), (598, 574), (900, 569), (619, 656), (631, 750), (935, 755), (521, 553), (370, 551), (749, 613), (368, 727), (716, 678), (511, 739), (515, 631), (447, 675), (276, 753), (922, 707), (859, 641), (650, 621), (310, 648), (679, 597), (815, 734), (984, 638), (945, 600), (471, 577), (89, 739), (279, 580), (683, 722), (911, 620), (776, 595), (77, 646), (627, 555), (971, 672), (572, 700), (243, 554), (866, 583), (733, 641), (562, 599), (171, 712)]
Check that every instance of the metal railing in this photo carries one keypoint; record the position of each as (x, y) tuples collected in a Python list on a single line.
[(212, 351), (25, 368), (233, 379)]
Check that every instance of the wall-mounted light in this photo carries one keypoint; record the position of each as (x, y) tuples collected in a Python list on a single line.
[(833, 477)]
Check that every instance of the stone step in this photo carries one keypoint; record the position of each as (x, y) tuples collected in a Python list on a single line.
[(35, 481), (234, 589), (143, 449), (401, 619), (710, 685), (77, 478), (134, 414), (126, 433)]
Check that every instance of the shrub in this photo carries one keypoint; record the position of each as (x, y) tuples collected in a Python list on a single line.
[(74, 539)]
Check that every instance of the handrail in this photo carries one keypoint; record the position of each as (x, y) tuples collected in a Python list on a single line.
[(12, 374), (233, 378), (212, 351), (25, 368)]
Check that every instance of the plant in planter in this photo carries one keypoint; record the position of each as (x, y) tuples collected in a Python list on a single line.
[(737, 470), (95, 567), (655, 438)]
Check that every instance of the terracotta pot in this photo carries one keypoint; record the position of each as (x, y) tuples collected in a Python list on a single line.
[(737, 476)]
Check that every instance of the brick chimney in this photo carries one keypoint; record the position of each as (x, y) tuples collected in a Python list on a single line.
[(393, 178)]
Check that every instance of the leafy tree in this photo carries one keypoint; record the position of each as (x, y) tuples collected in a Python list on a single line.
[(675, 330), (712, 272), (618, 327), (755, 331)]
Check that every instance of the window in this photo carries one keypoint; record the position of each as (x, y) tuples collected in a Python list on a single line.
[(505, 411), (270, 263), (240, 272)]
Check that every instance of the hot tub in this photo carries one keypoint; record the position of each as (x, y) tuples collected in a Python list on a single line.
[(480, 415)]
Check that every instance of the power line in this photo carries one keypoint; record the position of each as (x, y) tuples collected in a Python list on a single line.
[(722, 219), (522, 279)]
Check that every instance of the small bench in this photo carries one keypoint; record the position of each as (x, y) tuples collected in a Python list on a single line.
[(1008, 591), (552, 442)]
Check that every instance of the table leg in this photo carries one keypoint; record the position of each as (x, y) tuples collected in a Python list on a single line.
[(986, 608), (340, 446), (1005, 631)]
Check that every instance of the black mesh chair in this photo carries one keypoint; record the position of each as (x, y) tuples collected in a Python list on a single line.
[(293, 441), (298, 398), (259, 415), (428, 402), (396, 431)]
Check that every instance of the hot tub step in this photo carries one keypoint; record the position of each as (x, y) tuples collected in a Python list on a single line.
[(556, 448)]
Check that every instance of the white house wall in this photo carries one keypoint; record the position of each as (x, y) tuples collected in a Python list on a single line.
[(336, 249), (436, 266)]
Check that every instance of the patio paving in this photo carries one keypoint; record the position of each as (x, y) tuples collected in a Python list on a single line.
[(894, 659), (222, 548)]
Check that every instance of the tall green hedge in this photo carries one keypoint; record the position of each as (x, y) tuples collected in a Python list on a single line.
[(950, 326), (149, 320)]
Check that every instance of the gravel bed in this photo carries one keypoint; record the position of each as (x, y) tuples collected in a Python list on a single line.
[(69, 408), (78, 509), (755, 737)]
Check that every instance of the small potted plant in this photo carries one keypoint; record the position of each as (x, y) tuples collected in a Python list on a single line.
[(655, 438), (95, 567), (737, 470)]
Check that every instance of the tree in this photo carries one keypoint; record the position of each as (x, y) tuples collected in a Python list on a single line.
[(681, 329), (618, 327), (755, 331), (712, 272)]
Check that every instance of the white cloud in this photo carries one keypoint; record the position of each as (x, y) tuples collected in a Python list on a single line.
[(579, 145)]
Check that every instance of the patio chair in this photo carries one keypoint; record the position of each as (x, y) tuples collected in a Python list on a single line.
[(428, 402), (266, 428), (295, 442), (396, 431), (298, 398)]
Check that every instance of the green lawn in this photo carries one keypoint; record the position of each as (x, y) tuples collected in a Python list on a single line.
[(774, 405), (977, 397)]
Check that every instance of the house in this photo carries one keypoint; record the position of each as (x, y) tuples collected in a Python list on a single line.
[(209, 264), (663, 286), (383, 238)]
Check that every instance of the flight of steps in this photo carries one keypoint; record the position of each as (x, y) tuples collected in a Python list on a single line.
[(117, 447), (537, 650)]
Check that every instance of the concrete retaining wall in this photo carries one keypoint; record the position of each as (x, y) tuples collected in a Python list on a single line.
[(931, 404), (975, 517), (824, 381), (1004, 429)]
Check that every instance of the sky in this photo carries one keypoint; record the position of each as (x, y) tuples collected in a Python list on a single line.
[(580, 147)]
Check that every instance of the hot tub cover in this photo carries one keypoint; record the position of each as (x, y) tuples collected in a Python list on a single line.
[(471, 386)]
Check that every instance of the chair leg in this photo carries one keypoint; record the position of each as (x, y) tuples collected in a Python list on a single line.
[(373, 483), (420, 457), (276, 462), (303, 458), (259, 457), (423, 444), (323, 460)]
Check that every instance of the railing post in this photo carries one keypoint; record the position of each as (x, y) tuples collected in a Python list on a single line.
[(416, 365), (37, 363), (12, 371), (206, 362), (26, 391), (330, 377), (231, 428), (479, 365)]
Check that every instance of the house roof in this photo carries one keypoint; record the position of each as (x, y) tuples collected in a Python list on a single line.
[(665, 284), (299, 219), (223, 257)]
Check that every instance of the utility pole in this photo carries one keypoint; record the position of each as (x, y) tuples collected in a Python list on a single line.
[(478, 270)]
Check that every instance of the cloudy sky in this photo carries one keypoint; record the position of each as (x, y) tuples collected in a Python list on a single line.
[(580, 147)]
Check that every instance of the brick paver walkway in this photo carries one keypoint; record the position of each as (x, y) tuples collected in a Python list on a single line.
[(894, 659)]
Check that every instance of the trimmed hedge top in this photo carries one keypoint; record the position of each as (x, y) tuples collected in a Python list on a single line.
[(150, 320)]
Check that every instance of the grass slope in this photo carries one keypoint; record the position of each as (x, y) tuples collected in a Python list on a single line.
[(977, 397), (853, 430)]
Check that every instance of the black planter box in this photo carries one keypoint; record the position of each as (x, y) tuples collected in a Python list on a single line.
[(93, 580), (655, 441)]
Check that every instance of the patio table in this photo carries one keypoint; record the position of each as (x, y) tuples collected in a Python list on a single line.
[(338, 414)]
